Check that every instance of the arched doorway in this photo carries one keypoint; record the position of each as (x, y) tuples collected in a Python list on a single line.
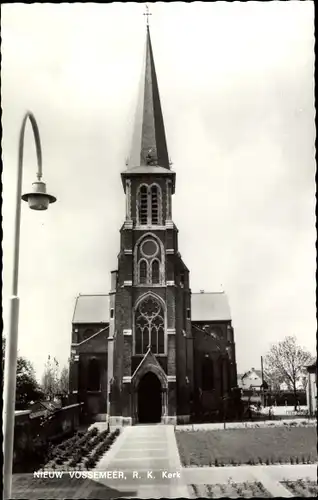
[(149, 399)]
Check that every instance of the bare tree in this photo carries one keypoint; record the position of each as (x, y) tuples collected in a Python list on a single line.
[(273, 378), (286, 362), (50, 379), (64, 381)]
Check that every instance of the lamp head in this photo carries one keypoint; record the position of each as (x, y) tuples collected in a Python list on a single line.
[(38, 199)]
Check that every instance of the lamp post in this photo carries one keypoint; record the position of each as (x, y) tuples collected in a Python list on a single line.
[(38, 199)]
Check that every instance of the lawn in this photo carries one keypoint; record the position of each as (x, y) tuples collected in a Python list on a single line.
[(229, 490), (248, 446), (302, 488)]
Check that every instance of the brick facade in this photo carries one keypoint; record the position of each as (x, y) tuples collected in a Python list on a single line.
[(148, 327)]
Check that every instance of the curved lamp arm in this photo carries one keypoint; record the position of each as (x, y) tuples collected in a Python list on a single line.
[(37, 141), (35, 129)]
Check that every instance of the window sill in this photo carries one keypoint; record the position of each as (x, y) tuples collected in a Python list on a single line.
[(156, 285), (143, 227), (143, 355)]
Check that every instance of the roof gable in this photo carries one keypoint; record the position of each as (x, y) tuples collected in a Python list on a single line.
[(258, 373)]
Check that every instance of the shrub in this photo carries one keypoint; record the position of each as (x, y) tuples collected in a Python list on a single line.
[(239, 490), (90, 462), (104, 434), (101, 443), (222, 488), (85, 451)]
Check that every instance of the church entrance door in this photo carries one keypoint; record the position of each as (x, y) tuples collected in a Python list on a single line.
[(149, 399)]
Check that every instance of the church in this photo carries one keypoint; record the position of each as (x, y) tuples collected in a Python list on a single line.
[(151, 350)]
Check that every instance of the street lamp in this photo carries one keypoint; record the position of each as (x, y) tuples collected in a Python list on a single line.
[(38, 199)]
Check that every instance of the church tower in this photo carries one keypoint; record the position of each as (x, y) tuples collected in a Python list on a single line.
[(150, 349)]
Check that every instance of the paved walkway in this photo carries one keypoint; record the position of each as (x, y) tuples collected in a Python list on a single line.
[(147, 456)]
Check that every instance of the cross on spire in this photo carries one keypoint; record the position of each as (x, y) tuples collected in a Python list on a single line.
[(147, 14)]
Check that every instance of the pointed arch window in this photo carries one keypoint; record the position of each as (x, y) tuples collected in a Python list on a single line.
[(149, 202), (149, 261), (143, 205), (93, 375), (149, 326), (155, 272), (143, 271), (154, 205), (207, 374)]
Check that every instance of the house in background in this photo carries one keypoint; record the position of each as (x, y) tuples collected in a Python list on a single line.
[(251, 380), (311, 389), (301, 383)]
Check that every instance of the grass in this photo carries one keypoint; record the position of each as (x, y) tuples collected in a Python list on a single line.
[(247, 446), (229, 490), (302, 488)]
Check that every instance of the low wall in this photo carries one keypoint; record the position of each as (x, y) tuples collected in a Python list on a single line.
[(32, 436), (63, 421)]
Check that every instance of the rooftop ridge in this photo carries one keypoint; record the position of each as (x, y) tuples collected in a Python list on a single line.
[(92, 295)]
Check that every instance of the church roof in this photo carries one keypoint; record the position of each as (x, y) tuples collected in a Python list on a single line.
[(91, 309), (149, 145), (210, 306), (204, 307)]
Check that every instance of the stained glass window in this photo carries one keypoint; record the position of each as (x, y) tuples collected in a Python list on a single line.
[(149, 327)]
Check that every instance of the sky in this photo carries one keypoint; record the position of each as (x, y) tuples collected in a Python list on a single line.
[(237, 93)]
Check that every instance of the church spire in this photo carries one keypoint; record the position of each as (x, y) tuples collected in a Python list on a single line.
[(149, 147)]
